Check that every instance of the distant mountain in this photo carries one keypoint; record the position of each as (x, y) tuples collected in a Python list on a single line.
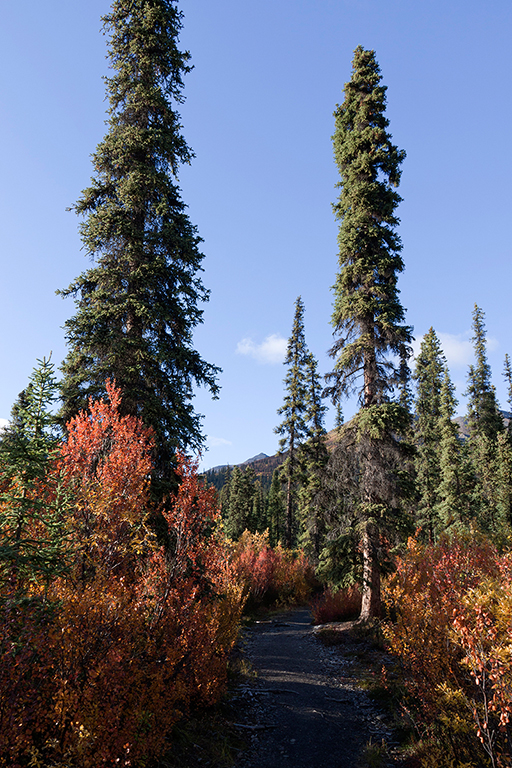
[(255, 458), (462, 422), (264, 465), (223, 467)]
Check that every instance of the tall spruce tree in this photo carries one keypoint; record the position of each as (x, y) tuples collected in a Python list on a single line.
[(241, 499), (507, 375), (429, 375), (275, 510), (504, 457), (485, 425), (456, 483), (314, 457), (259, 508), (137, 307), (368, 318), (484, 417), (293, 428), (504, 486)]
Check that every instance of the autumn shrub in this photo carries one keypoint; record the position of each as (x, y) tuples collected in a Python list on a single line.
[(294, 576), (451, 629), (340, 605), (272, 576), (483, 628), (97, 666)]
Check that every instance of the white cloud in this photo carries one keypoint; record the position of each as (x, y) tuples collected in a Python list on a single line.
[(457, 348), (3, 424), (492, 344), (416, 345), (271, 350), (215, 442)]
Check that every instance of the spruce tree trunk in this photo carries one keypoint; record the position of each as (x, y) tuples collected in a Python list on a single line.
[(371, 603), (289, 490), (289, 512)]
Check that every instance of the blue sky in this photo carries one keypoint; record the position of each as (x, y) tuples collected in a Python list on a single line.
[(258, 115)]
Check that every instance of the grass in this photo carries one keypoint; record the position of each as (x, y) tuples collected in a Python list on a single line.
[(207, 739), (375, 755)]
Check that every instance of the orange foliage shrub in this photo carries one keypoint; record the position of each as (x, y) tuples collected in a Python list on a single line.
[(452, 630), (483, 628), (107, 462), (27, 683), (271, 575), (343, 605), (97, 670)]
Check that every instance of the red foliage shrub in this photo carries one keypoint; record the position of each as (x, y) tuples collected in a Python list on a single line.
[(343, 605), (107, 462), (452, 609), (272, 576), (97, 667)]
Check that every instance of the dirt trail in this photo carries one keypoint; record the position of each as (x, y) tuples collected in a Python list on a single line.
[(304, 708)]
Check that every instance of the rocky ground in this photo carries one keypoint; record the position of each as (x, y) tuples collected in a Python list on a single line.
[(306, 706)]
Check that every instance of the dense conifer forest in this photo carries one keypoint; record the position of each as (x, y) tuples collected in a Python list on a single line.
[(124, 573)]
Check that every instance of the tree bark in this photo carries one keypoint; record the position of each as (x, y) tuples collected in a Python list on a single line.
[(371, 603)]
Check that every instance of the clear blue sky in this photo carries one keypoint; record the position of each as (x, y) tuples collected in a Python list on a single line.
[(259, 117)]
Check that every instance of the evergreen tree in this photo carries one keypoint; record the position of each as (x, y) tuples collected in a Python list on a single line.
[(33, 506), (504, 485), (238, 511), (217, 477), (368, 318), (484, 417), (340, 420), (275, 510), (485, 425), (504, 461), (139, 304), (259, 520), (293, 428), (313, 458), (224, 493), (507, 374), (429, 376), (456, 484)]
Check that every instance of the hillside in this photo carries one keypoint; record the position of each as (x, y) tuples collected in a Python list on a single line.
[(264, 465)]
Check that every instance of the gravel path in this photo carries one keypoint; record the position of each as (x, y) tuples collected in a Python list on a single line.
[(304, 709)]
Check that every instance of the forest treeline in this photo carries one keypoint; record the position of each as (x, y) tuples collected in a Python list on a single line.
[(458, 480), (123, 576)]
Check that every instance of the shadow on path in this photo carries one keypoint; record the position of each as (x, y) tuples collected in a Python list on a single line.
[(306, 711)]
